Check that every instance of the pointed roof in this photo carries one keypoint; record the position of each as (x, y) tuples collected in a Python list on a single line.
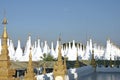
[(30, 57), (4, 43), (38, 42), (60, 66), (59, 53), (8, 72), (30, 73), (65, 65), (59, 50), (19, 44), (30, 62), (5, 35)]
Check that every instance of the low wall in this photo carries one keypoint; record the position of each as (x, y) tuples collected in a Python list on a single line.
[(73, 73), (76, 73), (107, 69)]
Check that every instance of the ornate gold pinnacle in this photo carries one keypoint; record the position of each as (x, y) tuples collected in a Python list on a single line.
[(5, 69), (29, 75), (59, 71), (44, 69)]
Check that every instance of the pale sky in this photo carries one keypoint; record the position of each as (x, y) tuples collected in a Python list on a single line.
[(74, 19)]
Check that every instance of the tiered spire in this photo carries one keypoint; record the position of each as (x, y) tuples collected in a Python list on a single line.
[(5, 35), (44, 69), (59, 53), (59, 71), (65, 65), (30, 73), (5, 64)]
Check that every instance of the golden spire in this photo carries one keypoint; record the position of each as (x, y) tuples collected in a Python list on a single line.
[(5, 35), (29, 75), (30, 59), (44, 68), (30, 68), (59, 70), (5, 69), (4, 20), (59, 50), (59, 53), (59, 38), (65, 65), (4, 40)]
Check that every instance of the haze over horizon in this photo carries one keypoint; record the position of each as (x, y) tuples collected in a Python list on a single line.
[(76, 20)]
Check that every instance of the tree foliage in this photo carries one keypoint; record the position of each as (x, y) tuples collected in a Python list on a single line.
[(47, 57)]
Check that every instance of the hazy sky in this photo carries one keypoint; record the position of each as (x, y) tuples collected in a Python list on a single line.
[(74, 19)]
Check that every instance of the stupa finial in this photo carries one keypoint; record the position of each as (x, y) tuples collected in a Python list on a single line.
[(4, 20), (30, 73), (5, 35)]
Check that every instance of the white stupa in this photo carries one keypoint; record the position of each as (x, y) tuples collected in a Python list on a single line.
[(11, 50), (38, 52), (52, 51), (8, 42), (96, 51), (25, 56), (63, 51), (27, 47), (66, 50), (56, 49), (87, 52), (81, 51), (108, 50), (34, 48), (113, 51), (72, 51), (19, 52), (46, 49), (69, 52)]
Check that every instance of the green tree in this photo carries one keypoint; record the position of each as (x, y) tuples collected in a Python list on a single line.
[(47, 57)]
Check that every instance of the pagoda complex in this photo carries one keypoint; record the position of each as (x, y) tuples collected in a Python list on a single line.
[(29, 75), (5, 66), (60, 70)]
